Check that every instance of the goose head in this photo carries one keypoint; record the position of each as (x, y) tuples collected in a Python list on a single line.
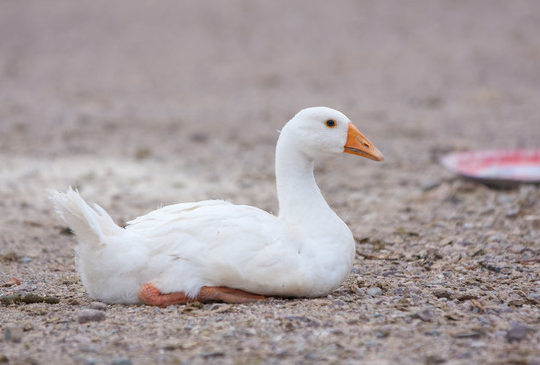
[(322, 132)]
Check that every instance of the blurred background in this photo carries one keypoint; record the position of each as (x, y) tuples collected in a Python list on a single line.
[(197, 90), (450, 71)]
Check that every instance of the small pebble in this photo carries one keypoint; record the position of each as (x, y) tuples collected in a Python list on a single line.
[(468, 225), (516, 332), (430, 185), (14, 333), (424, 315), (442, 293), (512, 212), (121, 361), (98, 306), (384, 331), (81, 339), (434, 360), (91, 315), (472, 334), (374, 291)]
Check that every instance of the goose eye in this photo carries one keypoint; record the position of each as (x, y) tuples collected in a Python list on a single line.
[(330, 123)]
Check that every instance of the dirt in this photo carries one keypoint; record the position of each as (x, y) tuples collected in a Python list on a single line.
[(140, 104)]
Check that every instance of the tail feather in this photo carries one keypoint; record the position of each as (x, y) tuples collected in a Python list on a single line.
[(90, 225)]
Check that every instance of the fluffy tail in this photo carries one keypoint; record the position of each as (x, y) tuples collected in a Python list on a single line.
[(90, 225)]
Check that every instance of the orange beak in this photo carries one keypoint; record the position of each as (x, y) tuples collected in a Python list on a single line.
[(358, 144)]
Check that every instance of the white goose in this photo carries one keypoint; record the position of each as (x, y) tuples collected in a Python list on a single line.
[(216, 251)]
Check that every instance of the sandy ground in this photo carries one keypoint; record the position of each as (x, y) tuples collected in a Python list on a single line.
[(147, 103)]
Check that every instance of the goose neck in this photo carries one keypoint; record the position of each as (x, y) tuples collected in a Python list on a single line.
[(299, 196)]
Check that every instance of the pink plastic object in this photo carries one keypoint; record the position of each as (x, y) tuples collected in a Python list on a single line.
[(503, 168)]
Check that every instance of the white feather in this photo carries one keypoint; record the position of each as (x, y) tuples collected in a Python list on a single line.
[(304, 251)]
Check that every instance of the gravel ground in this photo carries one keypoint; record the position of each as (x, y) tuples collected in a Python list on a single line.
[(147, 103)]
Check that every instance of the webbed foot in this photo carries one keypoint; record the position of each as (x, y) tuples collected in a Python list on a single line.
[(150, 295)]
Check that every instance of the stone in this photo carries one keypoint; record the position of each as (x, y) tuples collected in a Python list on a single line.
[(13, 333), (98, 306), (374, 291), (424, 315), (384, 331), (442, 293), (91, 315), (122, 361), (81, 339), (434, 360), (516, 332)]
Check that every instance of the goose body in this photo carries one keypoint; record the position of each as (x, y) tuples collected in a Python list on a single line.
[(215, 250)]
